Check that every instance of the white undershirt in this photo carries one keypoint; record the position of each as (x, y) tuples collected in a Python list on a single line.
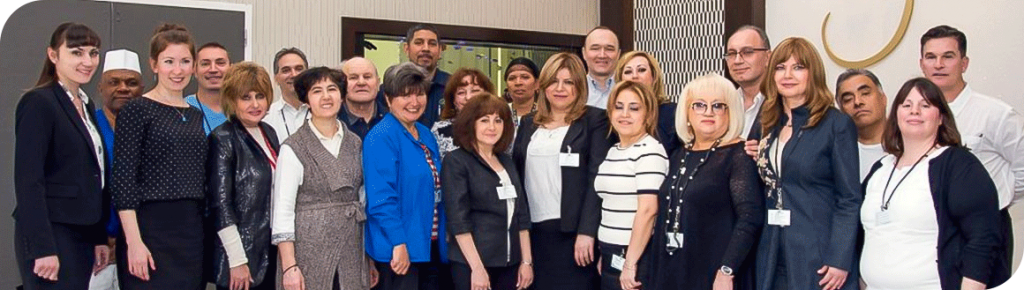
[(900, 254), (543, 174), (510, 207), (287, 180), (869, 154)]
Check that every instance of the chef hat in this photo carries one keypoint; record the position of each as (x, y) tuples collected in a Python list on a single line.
[(121, 59)]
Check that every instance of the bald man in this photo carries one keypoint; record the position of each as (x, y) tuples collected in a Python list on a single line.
[(360, 110)]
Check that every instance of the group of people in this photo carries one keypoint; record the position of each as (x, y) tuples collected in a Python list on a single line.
[(582, 174)]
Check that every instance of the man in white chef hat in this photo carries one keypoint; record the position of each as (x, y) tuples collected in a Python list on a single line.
[(121, 81)]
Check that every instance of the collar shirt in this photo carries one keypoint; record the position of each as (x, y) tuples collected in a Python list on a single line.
[(994, 132), (286, 119), (94, 134), (596, 97), (750, 114)]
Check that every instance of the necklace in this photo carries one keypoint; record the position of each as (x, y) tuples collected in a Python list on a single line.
[(179, 110), (680, 181)]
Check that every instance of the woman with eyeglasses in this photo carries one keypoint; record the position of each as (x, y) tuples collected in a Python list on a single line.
[(711, 205)]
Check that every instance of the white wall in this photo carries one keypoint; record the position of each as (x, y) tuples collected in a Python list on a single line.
[(859, 29), (315, 26)]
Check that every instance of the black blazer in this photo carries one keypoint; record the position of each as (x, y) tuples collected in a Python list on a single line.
[(588, 136), (238, 191), (56, 175), (967, 210), (472, 206)]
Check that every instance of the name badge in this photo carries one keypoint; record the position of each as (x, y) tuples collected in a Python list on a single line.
[(617, 262), (569, 159), (882, 218), (674, 240), (778, 217), (506, 192)]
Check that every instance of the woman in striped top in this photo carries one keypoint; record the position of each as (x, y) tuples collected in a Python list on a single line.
[(628, 181)]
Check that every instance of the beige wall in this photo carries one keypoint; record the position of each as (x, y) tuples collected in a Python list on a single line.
[(315, 26)]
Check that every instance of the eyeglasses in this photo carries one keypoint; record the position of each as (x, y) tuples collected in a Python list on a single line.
[(744, 53), (702, 108)]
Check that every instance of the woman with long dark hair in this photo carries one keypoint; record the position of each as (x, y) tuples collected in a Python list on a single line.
[(61, 207)]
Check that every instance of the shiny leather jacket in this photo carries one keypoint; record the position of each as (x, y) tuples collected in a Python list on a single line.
[(238, 190)]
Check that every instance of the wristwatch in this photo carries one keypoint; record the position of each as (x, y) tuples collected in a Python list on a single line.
[(726, 270)]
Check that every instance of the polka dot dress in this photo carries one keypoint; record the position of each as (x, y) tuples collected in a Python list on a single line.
[(159, 154)]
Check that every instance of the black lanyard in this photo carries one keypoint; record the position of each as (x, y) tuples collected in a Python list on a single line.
[(885, 202), (285, 121), (202, 109)]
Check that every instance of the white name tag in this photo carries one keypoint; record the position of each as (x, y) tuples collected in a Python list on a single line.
[(569, 159), (506, 192), (617, 261), (778, 217), (882, 218), (674, 240)]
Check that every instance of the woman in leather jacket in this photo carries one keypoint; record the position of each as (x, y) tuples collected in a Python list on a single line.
[(241, 164)]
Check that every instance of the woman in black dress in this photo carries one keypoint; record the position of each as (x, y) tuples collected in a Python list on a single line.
[(241, 163), (711, 205), (160, 148)]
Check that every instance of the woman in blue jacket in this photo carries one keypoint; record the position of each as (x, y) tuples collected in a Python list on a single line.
[(402, 170)]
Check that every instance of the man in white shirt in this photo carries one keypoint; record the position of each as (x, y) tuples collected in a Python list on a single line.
[(287, 114), (746, 57), (601, 52), (989, 127), (859, 94)]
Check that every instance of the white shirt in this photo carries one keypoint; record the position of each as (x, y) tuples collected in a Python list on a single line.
[(596, 97), (869, 154), (901, 254), (543, 174), (510, 208), (286, 119), (622, 177), (94, 134), (287, 179), (994, 132), (750, 113)]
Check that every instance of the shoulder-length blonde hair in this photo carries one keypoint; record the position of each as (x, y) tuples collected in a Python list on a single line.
[(658, 84), (711, 84), (648, 101), (819, 97), (549, 76)]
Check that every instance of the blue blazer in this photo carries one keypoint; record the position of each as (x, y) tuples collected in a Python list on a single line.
[(400, 191)]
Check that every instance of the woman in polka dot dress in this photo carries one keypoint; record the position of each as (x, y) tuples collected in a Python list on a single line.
[(159, 172)]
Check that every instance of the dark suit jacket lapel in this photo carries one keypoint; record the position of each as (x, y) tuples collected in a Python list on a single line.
[(575, 130), (72, 114)]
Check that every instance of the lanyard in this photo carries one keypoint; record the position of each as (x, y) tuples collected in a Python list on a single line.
[(285, 121), (272, 158), (202, 109), (885, 202)]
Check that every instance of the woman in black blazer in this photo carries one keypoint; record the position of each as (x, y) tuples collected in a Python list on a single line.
[(58, 169), (484, 201), (557, 152), (240, 166)]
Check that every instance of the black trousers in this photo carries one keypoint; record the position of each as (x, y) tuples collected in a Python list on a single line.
[(502, 278), (75, 254), (610, 276), (433, 275)]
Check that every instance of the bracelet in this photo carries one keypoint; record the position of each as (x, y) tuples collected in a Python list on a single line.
[(528, 263), (627, 267), (289, 268)]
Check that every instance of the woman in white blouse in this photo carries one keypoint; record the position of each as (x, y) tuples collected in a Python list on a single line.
[(627, 182), (930, 212), (317, 219)]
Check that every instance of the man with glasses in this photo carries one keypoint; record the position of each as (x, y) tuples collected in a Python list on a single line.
[(747, 59), (601, 52)]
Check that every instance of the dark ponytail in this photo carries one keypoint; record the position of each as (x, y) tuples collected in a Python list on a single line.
[(72, 35)]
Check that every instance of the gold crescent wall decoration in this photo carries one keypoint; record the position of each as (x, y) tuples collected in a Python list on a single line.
[(908, 9)]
